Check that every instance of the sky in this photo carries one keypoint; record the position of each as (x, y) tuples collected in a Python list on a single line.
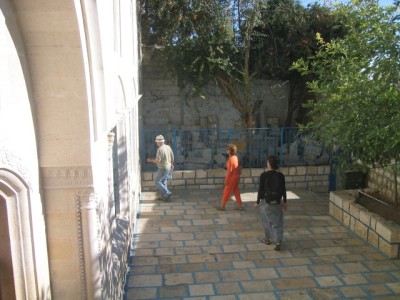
[(381, 2)]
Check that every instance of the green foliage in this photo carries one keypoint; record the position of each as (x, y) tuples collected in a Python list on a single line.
[(195, 38), (357, 80), (232, 42)]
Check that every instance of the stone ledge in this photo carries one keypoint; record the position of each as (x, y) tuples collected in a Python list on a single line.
[(376, 230), (301, 178)]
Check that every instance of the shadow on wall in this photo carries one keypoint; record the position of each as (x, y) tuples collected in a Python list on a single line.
[(116, 259)]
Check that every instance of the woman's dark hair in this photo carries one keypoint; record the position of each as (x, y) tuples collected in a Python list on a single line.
[(273, 161)]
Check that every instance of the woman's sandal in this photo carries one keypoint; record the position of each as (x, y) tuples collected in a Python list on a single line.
[(266, 242)]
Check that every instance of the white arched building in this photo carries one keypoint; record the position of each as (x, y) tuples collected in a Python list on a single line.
[(69, 147)]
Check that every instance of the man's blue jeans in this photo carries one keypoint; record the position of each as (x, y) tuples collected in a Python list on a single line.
[(161, 180)]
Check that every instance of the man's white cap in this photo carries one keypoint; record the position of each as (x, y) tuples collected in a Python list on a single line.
[(159, 138)]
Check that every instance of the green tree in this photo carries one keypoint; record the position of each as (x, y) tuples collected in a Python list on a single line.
[(233, 42), (358, 76), (289, 32)]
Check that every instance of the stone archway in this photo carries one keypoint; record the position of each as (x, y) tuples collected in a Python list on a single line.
[(7, 285), (17, 256)]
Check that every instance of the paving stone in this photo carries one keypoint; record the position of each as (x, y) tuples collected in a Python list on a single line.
[(224, 297), (220, 265), (184, 223), (325, 259), (212, 249), (396, 274), (188, 250), (328, 281), (145, 280), (173, 259), (380, 277), (298, 295), (228, 288), (253, 255), (234, 275), (325, 293), (143, 270), (185, 249), (178, 278), (144, 252), (258, 296), (170, 229), (164, 251), (206, 277), (264, 273), (376, 289), (320, 270), (351, 279), (377, 266), (331, 251), (227, 257), (171, 244), (201, 258), (197, 243), (168, 268), (395, 287), (176, 291), (297, 271), (145, 260), (141, 293), (205, 235), (271, 262), (292, 283), (353, 292), (182, 236), (295, 261), (243, 264), (257, 286), (234, 248), (352, 267), (352, 258), (201, 289)]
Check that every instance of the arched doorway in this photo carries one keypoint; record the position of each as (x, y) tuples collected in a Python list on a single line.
[(18, 278), (7, 290)]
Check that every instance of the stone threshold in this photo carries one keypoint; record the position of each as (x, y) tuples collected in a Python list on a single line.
[(376, 230)]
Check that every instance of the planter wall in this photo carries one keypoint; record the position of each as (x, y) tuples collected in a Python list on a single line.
[(377, 231)]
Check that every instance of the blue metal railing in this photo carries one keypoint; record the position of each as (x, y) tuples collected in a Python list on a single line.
[(205, 148)]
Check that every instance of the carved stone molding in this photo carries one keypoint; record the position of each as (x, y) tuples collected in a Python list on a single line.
[(9, 161), (67, 177)]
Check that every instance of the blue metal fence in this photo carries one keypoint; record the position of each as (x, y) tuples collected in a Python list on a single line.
[(206, 148)]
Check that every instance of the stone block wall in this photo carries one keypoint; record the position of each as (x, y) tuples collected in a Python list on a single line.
[(164, 105), (383, 180), (377, 231), (314, 178)]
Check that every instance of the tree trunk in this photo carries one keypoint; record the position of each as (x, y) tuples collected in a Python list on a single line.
[(298, 94), (244, 103), (396, 192)]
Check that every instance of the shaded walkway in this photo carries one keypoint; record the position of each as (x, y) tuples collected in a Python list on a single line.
[(185, 248)]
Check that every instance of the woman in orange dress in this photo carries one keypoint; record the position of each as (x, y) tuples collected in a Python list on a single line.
[(232, 179)]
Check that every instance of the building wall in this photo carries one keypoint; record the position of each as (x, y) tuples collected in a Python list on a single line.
[(69, 141)]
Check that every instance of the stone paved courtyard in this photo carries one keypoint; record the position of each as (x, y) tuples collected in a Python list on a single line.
[(186, 249)]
